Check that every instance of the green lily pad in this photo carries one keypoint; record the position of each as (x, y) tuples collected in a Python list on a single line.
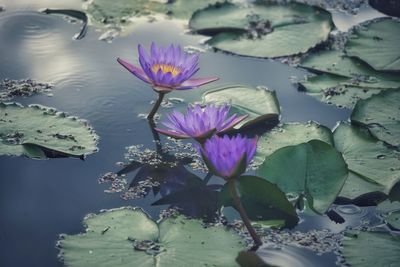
[(334, 89), (258, 103), (264, 28), (124, 11), (356, 186), (371, 249), (359, 74), (128, 237), (377, 44), (314, 169), (41, 132), (290, 134), (381, 115), (262, 200), (366, 156)]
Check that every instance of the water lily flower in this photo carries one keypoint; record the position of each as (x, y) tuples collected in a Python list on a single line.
[(228, 157), (200, 123), (166, 69)]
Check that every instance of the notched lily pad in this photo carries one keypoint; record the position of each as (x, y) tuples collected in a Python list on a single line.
[(381, 115), (371, 249), (290, 134), (377, 44), (264, 28), (128, 237), (260, 104), (368, 157), (314, 169), (41, 132)]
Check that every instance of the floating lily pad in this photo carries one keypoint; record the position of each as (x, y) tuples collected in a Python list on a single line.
[(262, 200), (368, 157), (377, 44), (314, 169), (290, 134), (258, 103), (371, 249), (332, 89), (40, 132), (359, 74), (381, 115), (128, 237), (264, 28), (124, 11), (356, 186)]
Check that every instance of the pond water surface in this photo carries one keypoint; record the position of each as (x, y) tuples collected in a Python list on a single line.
[(39, 199)]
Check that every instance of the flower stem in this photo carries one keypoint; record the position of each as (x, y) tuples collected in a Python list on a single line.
[(239, 207), (156, 106)]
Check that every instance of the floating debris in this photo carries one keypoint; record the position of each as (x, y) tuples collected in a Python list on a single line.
[(25, 87)]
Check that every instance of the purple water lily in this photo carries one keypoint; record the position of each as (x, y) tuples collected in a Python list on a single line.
[(227, 156), (200, 123), (167, 68)]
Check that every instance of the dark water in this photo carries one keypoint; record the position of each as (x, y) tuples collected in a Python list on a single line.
[(41, 199)]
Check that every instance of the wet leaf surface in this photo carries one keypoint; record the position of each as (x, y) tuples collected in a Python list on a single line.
[(128, 237)]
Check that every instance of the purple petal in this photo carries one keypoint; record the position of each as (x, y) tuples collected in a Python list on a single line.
[(233, 123), (138, 72), (172, 133), (196, 82)]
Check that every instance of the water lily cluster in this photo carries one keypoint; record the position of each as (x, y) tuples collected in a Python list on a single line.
[(170, 68), (227, 156)]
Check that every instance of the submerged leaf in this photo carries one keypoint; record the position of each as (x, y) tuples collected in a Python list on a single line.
[(264, 28), (262, 200), (314, 169), (128, 237), (259, 104), (40, 132)]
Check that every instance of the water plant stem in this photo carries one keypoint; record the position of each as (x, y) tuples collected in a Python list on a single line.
[(239, 207), (156, 106)]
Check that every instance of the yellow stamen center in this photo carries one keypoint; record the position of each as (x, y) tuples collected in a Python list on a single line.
[(165, 69)]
